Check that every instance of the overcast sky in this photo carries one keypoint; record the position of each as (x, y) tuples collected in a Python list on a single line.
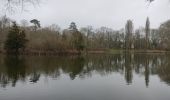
[(97, 13)]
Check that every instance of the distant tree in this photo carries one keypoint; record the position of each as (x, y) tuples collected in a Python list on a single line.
[(55, 28), (150, 0), (0, 25), (100, 38), (164, 31), (86, 31), (24, 23), (77, 37), (147, 33), (137, 39), (104, 37), (78, 41), (5, 22), (16, 39), (36, 24), (73, 26), (155, 38), (129, 35), (122, 38)]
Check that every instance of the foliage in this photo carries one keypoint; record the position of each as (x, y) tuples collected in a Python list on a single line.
[(129, 35), (36, 24), (16, 39), (76, 37), (54, 39), (147, 32)]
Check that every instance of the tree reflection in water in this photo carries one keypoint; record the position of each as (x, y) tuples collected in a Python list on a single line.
[(14, 68)]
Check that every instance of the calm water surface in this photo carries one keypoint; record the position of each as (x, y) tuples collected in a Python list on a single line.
[(93, 77)]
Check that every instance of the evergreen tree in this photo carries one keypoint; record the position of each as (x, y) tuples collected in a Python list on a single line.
[(77, 37), (36, 24), (129, 35), (73, 26), (16, 39), (147, 32)]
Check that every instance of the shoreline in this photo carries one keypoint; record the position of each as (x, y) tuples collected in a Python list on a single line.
[(75, 52)]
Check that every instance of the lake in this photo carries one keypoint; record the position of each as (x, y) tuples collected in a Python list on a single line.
[(91, 77)]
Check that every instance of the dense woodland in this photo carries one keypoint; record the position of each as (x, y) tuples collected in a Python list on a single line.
[(34, 38)]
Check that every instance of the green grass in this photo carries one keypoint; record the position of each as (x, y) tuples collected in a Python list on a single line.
[(115, 51)]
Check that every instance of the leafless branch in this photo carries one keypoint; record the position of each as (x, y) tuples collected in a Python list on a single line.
[(12, 5)]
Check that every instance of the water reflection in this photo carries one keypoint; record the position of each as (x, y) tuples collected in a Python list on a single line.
[(22, 69), (13, 69)]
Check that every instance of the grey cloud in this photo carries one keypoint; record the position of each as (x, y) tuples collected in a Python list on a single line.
[(110, 13)]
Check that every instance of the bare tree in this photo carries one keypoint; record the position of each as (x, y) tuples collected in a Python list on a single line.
[(11, 5), (5, 22), (87, 31), (24, 23), (164, 31)]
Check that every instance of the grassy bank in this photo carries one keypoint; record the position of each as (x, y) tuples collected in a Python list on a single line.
[(114, 51), (88, 51)]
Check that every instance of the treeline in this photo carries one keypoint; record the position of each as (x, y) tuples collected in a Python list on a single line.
[(54, 39)]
